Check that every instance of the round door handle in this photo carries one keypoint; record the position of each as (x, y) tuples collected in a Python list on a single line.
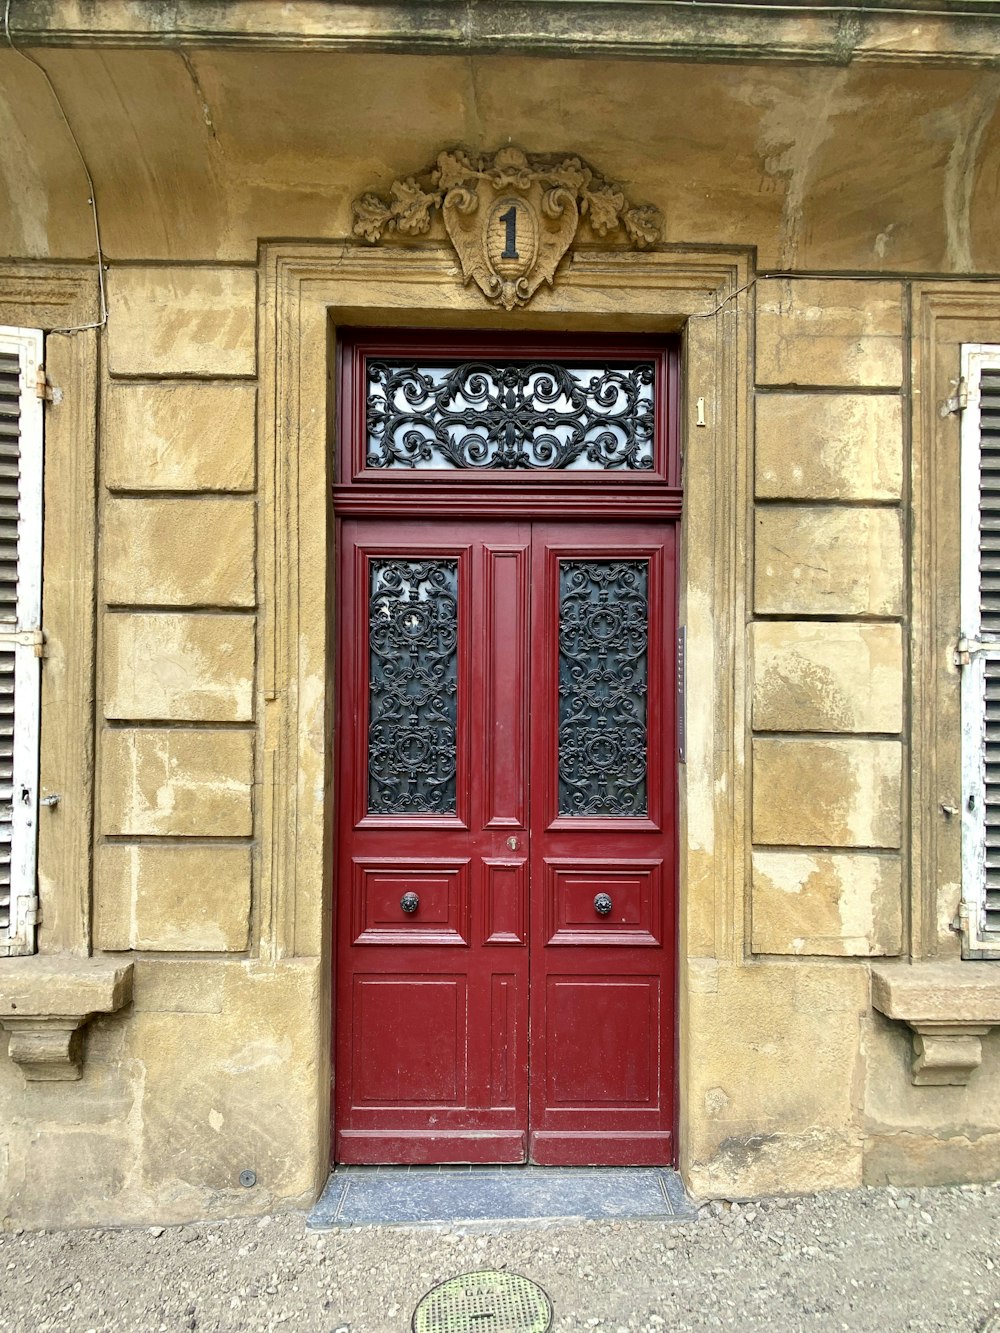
[(602, 904), (409, 903)]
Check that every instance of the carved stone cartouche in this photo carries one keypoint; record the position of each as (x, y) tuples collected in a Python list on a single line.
[(510, 215)]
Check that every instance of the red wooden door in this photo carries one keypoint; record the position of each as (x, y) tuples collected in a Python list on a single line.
[(602, 844), (506, 754)]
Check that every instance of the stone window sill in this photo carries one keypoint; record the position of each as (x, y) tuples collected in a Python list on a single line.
[(46, 1000), (950, 1007)]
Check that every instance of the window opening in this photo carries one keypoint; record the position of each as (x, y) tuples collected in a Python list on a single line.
[(21, 421), (980, 623), (603, 642)]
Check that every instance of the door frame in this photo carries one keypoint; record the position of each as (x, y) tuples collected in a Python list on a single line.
[(307, 292)]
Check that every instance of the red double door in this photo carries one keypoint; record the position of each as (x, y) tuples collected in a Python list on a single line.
[(506, 856)]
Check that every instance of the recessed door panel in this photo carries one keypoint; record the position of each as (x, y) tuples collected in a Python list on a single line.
[(505, 700), (411, 1035), (505, 902), (409, 903), (599, 902), (601, 1042)]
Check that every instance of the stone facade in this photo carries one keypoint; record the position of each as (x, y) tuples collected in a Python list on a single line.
[(188, 686)]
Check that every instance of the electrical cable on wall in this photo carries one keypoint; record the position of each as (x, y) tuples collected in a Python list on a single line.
[(92, 198)]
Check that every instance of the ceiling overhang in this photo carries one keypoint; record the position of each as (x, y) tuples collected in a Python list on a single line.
[(942, 32)]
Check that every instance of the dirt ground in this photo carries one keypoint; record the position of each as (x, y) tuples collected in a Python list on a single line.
[(877, 1259)]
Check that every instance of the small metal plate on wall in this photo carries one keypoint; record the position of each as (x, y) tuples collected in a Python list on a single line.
[(484, 1302)]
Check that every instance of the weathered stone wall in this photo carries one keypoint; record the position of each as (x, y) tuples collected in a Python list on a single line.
[(177, 632), (199, 153), (214, 1068), (826, 641), (780, 1077), (799, 865)]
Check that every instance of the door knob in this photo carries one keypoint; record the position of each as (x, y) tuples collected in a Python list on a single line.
[(409, 903), (602, 904)]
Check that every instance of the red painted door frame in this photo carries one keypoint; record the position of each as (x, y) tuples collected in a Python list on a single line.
[(507, 1021)]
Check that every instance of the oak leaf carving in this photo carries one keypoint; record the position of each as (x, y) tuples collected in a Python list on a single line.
[(570, 173), (411, 206), (453, 169), (371, 216), (642, 225), (604, 205)]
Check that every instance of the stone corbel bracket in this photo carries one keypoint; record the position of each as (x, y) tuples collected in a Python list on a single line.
[(45, 1001), (949, 1008)]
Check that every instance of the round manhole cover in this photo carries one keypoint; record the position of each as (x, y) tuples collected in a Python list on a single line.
[(486, 1302)]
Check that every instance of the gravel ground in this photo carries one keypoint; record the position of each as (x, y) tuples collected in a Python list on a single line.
[(878, 1259)]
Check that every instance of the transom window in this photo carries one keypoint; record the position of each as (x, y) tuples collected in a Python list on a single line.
[(510, 414), (456, 410)]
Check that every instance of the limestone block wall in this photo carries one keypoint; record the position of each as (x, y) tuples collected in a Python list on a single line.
[(777, 1053), (177, 580), (826, 641), (213, 1068)]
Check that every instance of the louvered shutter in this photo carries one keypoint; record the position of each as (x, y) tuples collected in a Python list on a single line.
[(21, 420), (981, 648)]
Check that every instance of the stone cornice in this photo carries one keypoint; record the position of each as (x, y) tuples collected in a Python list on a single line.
[(941, 32)]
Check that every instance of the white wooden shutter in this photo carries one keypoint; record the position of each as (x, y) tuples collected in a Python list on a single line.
[(980, 651), (21, 422)]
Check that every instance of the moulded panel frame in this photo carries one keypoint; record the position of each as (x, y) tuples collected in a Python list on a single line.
[(412, 931), (365, 553), (438, 981), (518, 937), (627, 1108), (521, 555), (660, 664), (653, 903)]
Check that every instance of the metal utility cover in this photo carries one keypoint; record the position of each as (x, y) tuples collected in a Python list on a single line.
[(485, 1302)]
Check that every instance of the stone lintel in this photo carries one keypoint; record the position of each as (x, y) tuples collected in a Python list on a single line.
[(949, 1008), (46, 1000)]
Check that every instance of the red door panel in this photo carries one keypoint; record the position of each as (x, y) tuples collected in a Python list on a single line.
[(432, 1003), (601, 1042), (389, 1066), (636, 892), (602, 844)]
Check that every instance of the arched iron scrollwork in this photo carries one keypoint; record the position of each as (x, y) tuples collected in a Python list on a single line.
[(603, 676), (510, 415), (413, 685)]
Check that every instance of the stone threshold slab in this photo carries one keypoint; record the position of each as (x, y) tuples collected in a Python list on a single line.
[(484, 1196)]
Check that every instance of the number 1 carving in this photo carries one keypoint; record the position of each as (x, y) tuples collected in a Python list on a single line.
[(510, 221)]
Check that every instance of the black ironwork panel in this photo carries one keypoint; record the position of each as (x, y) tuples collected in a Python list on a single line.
[(603, 670), (413, 684), (543, 415)]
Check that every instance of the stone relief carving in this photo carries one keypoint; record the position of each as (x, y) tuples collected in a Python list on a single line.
[(510, 215)]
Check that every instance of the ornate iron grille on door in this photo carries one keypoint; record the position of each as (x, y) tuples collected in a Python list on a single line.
[(603, 634), (412, 632), (510, 414)]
